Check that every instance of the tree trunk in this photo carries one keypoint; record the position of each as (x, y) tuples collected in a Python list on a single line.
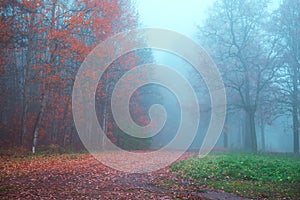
[(67, 125), (105, 115), (24, 122), (241, 134), (296, 130), (27, 69), (252, 131), (262, 133), (247, 134), (263, 142), (104, 124), (37, 124), (225, 139), (295, 110)]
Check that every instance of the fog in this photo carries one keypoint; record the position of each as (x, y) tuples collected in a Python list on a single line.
[(234, 63), (186, 18)]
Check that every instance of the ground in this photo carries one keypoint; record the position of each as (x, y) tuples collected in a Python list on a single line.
[(81, 176)]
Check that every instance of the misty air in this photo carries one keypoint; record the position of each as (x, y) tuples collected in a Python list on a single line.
[(160, 99)]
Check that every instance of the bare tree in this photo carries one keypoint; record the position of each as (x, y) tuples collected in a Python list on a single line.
[(287, 27), (235, 36)]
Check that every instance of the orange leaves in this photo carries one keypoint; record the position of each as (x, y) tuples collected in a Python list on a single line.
[(32, 4), (56, 77), (75, 20), (38, 56), (59, 35), (81, 176), (37, 67), (109, 133), (28, 3), (60, 109)]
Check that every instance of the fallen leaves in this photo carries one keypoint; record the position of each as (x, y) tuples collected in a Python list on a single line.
[(81, 176)]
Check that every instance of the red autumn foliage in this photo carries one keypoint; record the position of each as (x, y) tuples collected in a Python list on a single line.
[(42, 44)]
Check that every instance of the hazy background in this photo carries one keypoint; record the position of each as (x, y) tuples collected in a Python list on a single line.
[(184, 17)]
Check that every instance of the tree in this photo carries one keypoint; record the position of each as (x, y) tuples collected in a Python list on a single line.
[(287, 28), (234, 34), (104, 94), (46, 41)]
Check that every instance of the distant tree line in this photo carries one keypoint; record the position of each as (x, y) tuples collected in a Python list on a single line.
[(258, 54)]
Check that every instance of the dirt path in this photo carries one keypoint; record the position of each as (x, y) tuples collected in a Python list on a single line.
[(84, 177)]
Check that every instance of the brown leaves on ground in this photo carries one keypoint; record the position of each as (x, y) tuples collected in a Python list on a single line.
[(81, 176)]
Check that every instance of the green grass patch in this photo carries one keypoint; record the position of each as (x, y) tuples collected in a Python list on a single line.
[(250, 175)]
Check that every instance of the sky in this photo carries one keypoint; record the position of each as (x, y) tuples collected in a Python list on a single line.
[(177, 15), (182, 16)]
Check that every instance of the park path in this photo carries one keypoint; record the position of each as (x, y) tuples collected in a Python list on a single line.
[(83, 177)]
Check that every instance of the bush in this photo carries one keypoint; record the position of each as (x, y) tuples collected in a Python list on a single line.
[(128, 142), (51, 149), (14, 152)]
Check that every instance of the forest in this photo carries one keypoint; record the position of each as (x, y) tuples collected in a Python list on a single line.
[(52, 51), (43, 44)]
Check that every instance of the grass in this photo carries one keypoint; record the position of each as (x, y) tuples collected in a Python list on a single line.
[(250, 175)]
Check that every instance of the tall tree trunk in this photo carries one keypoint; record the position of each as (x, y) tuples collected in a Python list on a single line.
[(252, 131), (105, 115), (104, 124), (27, 69), (262, 135), (24, 121), (296, 130), (295, 110), (241, 134), (67, 125), (247, 133), (225, 139), (38, 122), (295, 113)]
